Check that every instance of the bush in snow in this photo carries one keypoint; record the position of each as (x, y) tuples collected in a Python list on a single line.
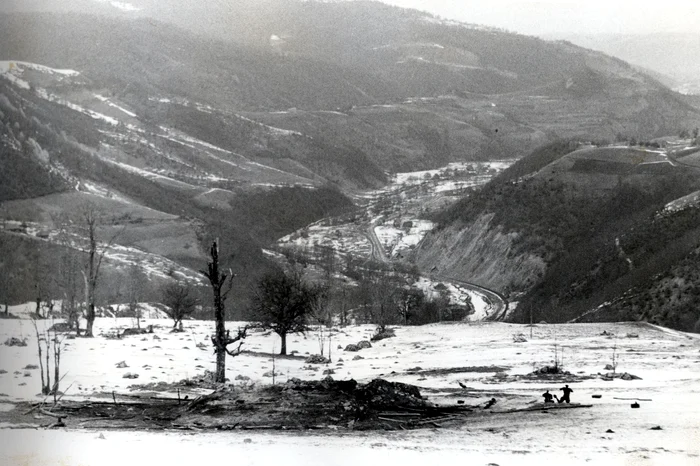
[(382, 334), (317, 359), (12, 341)]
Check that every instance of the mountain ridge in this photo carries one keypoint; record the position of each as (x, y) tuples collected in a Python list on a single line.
[(215, 130), (580, 227)]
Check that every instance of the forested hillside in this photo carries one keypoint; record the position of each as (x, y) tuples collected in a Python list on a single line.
[(592, 223)]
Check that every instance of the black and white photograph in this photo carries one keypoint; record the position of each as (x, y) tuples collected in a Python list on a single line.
[(349, 232)]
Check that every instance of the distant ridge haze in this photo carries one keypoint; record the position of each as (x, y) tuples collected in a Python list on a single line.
[(571, 17), (673, 54)]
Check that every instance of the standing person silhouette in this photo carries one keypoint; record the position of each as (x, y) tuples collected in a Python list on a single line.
[(567, 391)]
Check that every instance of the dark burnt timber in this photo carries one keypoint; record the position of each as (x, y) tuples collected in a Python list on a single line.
[(295, 405)]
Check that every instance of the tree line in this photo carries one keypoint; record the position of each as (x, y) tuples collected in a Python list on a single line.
[(286, 300)]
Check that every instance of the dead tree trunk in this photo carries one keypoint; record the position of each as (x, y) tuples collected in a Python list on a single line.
[(221, 338), (90, 276)]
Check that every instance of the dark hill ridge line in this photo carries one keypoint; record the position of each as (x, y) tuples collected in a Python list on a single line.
[(567, 245), (397, 91), (238, 78)]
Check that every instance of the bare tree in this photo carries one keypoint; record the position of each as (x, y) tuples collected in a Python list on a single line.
[(408, 301), (180, 300), (282, 302), (8, 271), (135, 283), (69, 287), (321, 315), (90, 220), (42, 280), (383, 310), (221, 339), (328, 293), (364, 296), (51, 347)]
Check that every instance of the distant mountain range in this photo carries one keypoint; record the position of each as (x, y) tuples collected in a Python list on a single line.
[(673, 55), (247, 120)]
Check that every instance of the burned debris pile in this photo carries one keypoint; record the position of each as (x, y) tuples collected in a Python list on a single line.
[(294, 405)]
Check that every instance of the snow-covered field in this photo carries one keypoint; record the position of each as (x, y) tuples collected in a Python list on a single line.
[(419, 177), (668, 363)]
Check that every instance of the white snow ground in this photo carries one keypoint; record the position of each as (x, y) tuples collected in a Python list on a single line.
[(667, 361)]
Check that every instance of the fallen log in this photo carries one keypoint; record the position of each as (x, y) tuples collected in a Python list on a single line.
[(204, 399), (48, 413), (542, 408), (435, 419), (391, 420), (157, 398)]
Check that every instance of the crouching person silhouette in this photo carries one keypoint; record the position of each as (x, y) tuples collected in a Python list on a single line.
[(548, 397)]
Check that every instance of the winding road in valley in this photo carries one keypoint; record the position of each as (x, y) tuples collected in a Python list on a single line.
[(378, 253), (498, 303)]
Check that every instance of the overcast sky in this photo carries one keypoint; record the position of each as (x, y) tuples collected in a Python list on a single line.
[(569, 16)]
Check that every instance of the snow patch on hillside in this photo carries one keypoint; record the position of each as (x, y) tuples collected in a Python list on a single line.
[(21, 83), (273, 129), (456, 186), (149, 174), (17, 67), (120, 256), (414, 44), (104, 99), (191, 140), (101, 191), (149, 311), (691, 200), (61, 101), (152, 311), (124, 6), (406, 235), (455, 23)]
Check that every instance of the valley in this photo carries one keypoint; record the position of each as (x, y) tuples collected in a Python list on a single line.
[(390, 223), (405, 228), (171, 174)]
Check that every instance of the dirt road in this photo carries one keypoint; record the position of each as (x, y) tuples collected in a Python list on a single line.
[(498, 303)]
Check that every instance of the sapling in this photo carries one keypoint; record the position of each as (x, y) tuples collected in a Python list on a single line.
[(51, 346), (56, 365), (330, 345), (614, 357), (274, 368), (558, 363), (321, 338), (562, 357)]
